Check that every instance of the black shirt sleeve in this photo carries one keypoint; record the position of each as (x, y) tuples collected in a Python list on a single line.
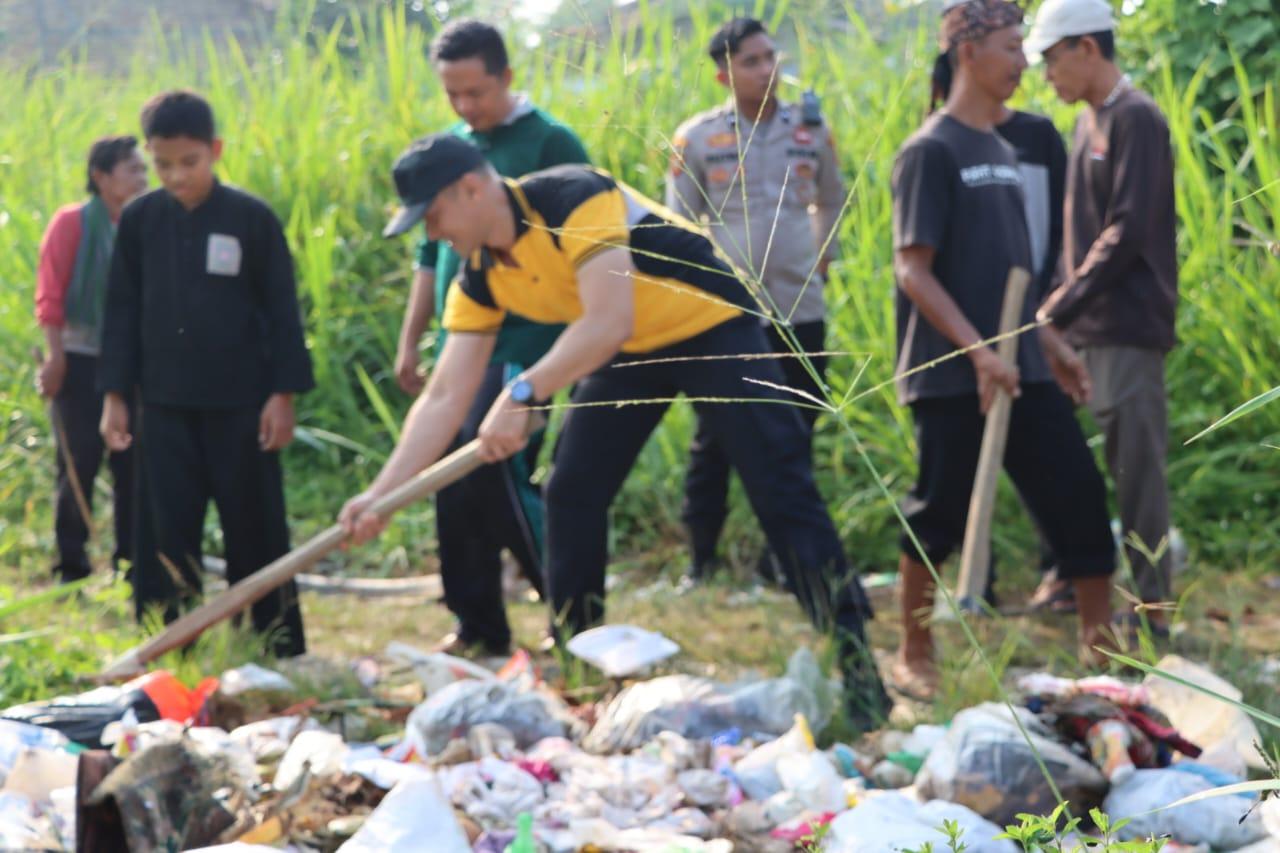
[(290, 362), (119, 364), (922, 196)]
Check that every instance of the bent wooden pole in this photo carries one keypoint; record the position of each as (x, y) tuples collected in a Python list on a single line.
[(975, 558), (245, 592)]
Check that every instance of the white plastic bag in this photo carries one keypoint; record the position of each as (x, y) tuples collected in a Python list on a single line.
[(414, 816), (814, 781), (323, 752), (369, 762), (23, 826), (15, 737), (1215, 821), (891, 822), (621, 650), (605, 836), (757, 771), (436, 670), (530, 715), (1207, 722), (700, 708), (252, 678), (39, 772)]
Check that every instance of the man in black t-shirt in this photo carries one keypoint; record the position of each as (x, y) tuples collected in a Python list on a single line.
[(1042, 159), (959, 227)]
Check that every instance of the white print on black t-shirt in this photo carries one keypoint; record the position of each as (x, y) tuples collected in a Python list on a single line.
[(990, 174)]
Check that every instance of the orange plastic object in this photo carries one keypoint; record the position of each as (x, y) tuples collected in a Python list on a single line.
[(173, 699)]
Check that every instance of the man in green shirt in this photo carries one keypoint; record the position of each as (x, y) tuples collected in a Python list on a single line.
[(496, 507)]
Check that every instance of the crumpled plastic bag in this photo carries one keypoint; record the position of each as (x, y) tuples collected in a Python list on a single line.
[(23, 826), (1215, 821), (414, 816), (699, 708), (601, 834), (757, 771), (621, 650), (892, 822), (627, 791), (268, 740), (16, 737), (492, 792), (530, 715), (173, 795), (368, 761), (319, 753), (985, 763), (436, 670), (705, 789), (251, 678), (1226, 733)]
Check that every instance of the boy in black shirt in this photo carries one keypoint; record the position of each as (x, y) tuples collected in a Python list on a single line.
[(959, 227), (202, 318)]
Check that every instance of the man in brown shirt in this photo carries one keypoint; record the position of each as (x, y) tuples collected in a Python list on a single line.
[(1119, 297)]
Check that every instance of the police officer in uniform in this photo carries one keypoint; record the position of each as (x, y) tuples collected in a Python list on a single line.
[(763, 175)]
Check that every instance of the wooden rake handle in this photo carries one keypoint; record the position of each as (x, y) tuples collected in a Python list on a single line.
[(245, 592)]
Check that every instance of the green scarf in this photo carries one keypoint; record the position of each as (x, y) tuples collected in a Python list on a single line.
[(87, 292)]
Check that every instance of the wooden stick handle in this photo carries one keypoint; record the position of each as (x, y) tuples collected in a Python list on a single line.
[(975, 557), (245, 592)]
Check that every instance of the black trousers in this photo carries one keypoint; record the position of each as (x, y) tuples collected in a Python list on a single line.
[(765, 444), (706, 487), (190, 456), (1048, 460), (493, 508), (76, 411)]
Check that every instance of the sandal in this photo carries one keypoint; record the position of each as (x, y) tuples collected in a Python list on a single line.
[(919, 683), (1053, 595)]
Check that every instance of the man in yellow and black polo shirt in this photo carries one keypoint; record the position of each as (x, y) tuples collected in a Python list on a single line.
[(652, 311)]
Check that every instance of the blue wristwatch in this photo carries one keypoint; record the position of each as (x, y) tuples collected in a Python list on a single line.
[(522, 391)]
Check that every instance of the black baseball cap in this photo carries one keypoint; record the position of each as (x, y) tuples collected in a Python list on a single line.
[(426, 167)]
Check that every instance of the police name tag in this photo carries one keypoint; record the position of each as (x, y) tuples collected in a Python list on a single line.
[(224, 255)]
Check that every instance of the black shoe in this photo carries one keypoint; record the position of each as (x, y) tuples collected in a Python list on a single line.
[(72, 572)]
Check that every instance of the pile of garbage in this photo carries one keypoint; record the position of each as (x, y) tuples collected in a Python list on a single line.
[(485, 761)]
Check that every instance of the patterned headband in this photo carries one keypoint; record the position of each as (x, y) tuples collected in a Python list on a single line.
[(973, 20)]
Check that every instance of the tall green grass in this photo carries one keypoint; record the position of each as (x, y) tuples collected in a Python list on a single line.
[(314, 124)]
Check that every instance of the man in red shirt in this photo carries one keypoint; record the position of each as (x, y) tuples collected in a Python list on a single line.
[(75, 255)]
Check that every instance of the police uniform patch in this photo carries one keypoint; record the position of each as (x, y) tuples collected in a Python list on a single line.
[(803, 136), (722, 140), (677, 156)]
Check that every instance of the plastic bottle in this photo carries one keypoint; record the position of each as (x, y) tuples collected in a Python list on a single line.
[(523, 842)]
